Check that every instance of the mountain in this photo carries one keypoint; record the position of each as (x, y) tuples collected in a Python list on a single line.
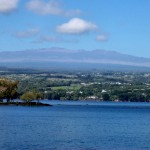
[(63, 58)]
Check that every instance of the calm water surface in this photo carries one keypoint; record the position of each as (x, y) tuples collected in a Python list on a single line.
[(76, 126)]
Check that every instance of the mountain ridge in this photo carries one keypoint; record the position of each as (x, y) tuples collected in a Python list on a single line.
[(62, 55)]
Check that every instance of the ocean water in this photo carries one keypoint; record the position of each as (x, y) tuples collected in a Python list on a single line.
[(76, 126)]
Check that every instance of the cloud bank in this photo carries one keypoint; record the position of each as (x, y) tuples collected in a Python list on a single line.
[(8, 6), (53, 39), (27, 34), (50, 7), (76, 26), (102, 37)]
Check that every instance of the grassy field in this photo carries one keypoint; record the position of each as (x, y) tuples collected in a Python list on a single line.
[(74, 87)]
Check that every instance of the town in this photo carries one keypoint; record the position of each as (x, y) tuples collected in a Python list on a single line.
[(78, 85)]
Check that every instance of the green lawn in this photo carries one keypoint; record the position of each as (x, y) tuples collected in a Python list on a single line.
[(74, 87)]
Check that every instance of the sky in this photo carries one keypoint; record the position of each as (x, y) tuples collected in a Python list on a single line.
[(116, 25)]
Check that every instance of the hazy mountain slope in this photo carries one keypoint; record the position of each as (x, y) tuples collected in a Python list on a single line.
[(60, 55)]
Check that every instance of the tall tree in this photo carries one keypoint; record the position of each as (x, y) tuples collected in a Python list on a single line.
[(8, 89)]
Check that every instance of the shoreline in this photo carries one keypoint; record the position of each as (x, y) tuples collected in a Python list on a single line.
[(23, 104)]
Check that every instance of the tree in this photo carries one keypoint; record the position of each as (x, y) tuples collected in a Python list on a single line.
[(30, 96), (8, 89), (2, 95), (106, 97)]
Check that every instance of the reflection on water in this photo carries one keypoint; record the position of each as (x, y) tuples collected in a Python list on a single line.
[(75, 126)]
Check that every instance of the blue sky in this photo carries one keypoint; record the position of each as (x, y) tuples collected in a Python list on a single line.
[(118, 25)]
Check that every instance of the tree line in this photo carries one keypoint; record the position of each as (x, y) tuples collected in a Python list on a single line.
[(9, 91)]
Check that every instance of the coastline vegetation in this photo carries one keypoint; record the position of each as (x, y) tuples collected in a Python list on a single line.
[(92, 85), (8, 91)]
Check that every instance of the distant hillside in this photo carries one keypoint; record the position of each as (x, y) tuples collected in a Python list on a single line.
[(61, 58)]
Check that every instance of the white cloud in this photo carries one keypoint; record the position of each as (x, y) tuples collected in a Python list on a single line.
[(76, 26), (72, 12), (51, 7), (7, 6), (27, 34), (54, 39), (102, 37)]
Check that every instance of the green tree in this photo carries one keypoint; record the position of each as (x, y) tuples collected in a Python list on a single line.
[(8, 89), (106, 97), (30, 96)]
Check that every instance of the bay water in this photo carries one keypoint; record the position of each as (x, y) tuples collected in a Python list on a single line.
[(70, 125)]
